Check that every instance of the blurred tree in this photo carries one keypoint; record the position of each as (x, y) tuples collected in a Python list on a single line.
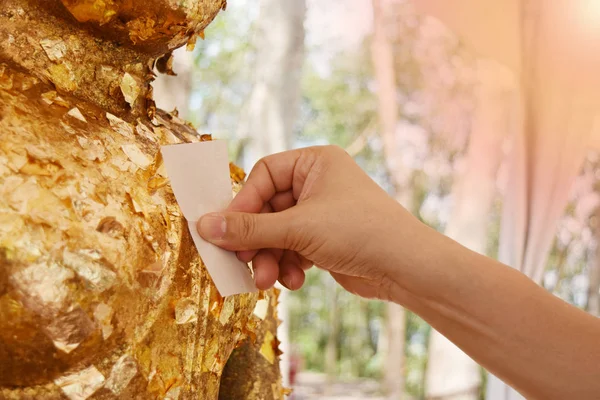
[(268, 115), (451, 374)]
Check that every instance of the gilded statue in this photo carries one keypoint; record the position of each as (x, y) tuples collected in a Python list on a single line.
[(102, 292)]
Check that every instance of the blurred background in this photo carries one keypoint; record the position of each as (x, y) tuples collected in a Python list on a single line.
[(479, 116)]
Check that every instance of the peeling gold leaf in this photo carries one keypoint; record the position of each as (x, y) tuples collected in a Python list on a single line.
[(55, 48), (62, 76), (120, 126), (227, 310), (136, 155), (76, 113), (266, 349), (88, 266), (130, 88), (261, 308), (124, 370), (81, 385), (191, 44), (186, 311), (103, 314)]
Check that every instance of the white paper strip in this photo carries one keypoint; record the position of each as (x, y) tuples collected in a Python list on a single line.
[(199, 174)]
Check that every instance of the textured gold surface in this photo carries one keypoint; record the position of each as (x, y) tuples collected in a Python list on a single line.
[(102, 293)]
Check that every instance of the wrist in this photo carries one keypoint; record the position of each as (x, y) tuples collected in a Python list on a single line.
[(427, 265)]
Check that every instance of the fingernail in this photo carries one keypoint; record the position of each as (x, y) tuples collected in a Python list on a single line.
[(288, 280), (212, 226)]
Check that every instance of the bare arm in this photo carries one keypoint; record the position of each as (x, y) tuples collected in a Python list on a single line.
[(316, 207), (542, 346)]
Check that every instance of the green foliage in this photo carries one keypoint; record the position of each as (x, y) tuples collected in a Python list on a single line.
[(223, 79)]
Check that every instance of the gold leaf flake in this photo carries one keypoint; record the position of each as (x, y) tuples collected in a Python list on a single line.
[(136, 155), (120, 126), (130, 88), (48, 97), (75, 113), (124, 370), (88, 267), (45, 282), (191, 44), (55, 49), (173, 393), (142, 130), (94, 150), (227, 310), (266, 349), (68, 128), (210, 361), (261, 308), (103, 315), (61, 102), (82, 384), (186, 311), (68, 329), (62, 76)]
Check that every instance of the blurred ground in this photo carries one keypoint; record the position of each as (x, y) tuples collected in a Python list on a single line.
[(313, 385)]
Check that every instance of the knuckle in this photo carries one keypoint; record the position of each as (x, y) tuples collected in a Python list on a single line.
[(246, 227)]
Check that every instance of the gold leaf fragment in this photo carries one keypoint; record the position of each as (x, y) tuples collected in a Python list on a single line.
[(266, 349), (186, 311), (120, 126), (87, 265), (136, 155), (62, 76), (76, 113), (130, 88), (261, 308), (191, 44), (227, 310), (68, 128), (82, 384), (124, 370), (55, 49), (103, 315), (142, 130)]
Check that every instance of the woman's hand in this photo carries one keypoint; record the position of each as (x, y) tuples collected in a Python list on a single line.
[(314, 206)]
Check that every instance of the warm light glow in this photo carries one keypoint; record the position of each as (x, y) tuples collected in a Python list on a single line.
[(589, 10)]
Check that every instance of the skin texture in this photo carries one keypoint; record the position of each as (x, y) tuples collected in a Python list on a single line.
[(315, 206)]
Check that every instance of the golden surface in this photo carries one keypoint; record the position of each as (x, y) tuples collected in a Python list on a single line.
[(102, 293)]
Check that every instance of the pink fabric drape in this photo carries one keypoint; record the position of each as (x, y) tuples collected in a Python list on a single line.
[(554, 49)]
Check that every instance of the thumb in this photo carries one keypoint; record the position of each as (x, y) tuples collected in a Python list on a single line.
[(237, 231)]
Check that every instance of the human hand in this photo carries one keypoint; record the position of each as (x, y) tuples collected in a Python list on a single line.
[(313, 206)]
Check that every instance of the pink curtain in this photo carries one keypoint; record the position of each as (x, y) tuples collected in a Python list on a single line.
[(554, 49)]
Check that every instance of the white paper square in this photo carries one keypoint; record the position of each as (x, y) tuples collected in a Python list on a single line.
[(199, 174)]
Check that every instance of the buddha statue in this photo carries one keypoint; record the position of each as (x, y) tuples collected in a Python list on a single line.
[(102, 292)]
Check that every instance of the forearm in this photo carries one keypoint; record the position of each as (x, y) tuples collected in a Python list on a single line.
[(542, 346)]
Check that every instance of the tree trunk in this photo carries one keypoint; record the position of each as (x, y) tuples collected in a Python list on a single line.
[(383, 62), (268, 117), (331, 348), (102, 292), (451, 374)]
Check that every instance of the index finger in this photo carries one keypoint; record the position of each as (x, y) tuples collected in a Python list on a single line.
[(271, 175)]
